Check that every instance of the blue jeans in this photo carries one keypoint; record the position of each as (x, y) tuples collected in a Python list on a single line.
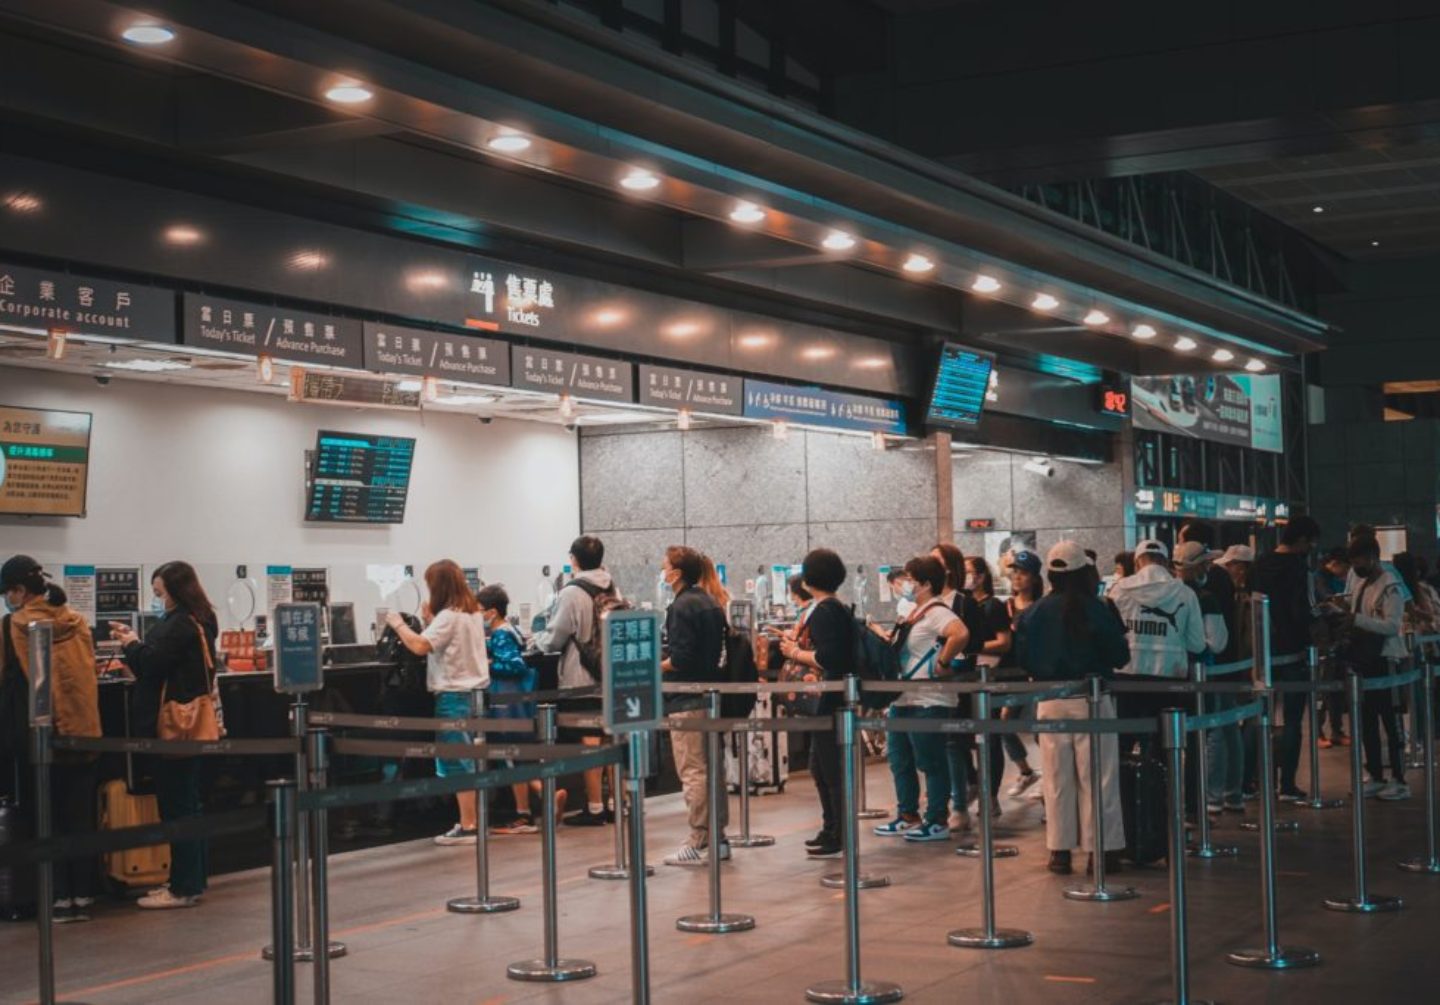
[(908, 752), (957, 756), (453, 705), (1224, 754)]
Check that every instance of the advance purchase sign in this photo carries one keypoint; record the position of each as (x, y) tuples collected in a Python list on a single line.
[(814, 406), (1238, 409)]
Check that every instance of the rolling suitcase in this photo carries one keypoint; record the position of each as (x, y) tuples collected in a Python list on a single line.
[(135, 867), (1143, 799), (17, 882), (768, 755)]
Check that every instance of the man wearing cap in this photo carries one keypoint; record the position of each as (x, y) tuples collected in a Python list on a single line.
[(1225, 755)]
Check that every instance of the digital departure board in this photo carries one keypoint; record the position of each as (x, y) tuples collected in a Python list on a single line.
[(360, 478), (961, 383)]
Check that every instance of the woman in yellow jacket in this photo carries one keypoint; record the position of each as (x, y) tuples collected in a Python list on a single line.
[(31, 597)]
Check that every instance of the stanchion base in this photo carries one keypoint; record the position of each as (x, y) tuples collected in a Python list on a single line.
[(1429, 866), (307, 955), (1092, 895), (1214, 851), (1281, 826), (1322, 804), (836, 881), (617, 871), (1372, 905), (482, 905), (545, 972), (978, 938), (1284, 958), (871, 815), (864, 993), (704, 924), (999, 851), (752, 841)]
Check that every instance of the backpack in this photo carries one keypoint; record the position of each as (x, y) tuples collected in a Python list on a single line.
[(879, 660), (737, 665), (410, 675), (603, 600)]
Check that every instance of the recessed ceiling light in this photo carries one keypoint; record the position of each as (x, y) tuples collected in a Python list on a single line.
[(408, 386), (747, 212), (838, 240), (756, 340), (1185, 343), (1374, 244), (349, 94), (817, 352), (640, 180), (308, 261), (509, 143), (985, 284), (1255, 366), (22, 202), (148, 365), (183, 234), (682, 329), (1097, 317), (426, 280), (1044, 302), (1144, 331), (918, 263), (1222, 355), (148, 34), (608, 317), (1317, 209), (871, 363)]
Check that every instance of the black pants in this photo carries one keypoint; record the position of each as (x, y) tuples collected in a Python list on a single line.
[(1377, 707), (1293, 705), (1148, 705), (177, 790), (827, 770), (72, 794)]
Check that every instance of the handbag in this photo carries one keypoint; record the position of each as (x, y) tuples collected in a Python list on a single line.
[(798, 703), (200, 718)]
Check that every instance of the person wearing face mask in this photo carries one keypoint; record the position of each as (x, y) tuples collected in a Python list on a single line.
[(1225, 753), (896, 579), (174, 663), (1000, 650), (31, 597)]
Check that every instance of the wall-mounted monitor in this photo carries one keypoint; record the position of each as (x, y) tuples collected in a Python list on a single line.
[(44, 461), (359, 478), (962, 380)]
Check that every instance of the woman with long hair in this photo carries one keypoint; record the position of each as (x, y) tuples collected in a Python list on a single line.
[(1000, 625), (175, 663), (453, 644)]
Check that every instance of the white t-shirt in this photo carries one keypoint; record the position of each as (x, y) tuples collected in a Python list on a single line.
[(457, 660), (925, 635)]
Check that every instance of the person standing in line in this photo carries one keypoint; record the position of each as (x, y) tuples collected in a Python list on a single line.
[(1284, 576), (1224, 748), (903, 607), (1219, 587), (999, 621), (175, 662), (75, 697), (694, 639), (1072, 634), (571, 624), (960, 748), (456, 663), (511, 675), (831, 631)]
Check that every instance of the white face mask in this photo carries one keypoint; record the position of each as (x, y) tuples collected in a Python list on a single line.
[(972, 583), (907, 590)]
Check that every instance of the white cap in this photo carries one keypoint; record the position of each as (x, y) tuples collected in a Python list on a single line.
[(1150, 546), (1236, 553), (1067, 556), (1193, 553)]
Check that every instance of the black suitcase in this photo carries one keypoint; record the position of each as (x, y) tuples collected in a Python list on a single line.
[(17, 883), (1143, 800)]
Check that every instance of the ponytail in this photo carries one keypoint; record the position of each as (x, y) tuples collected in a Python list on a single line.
[(55, 595)]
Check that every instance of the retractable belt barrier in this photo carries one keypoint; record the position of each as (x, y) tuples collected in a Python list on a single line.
[(797, 724), (400, 749), (1225, 669), (1288, 660), (1218, 720), (986, 727), (757, 687), (1393, 680), (1180, 687), (185, 748), (421, 724), (57, 849), (559, 694)]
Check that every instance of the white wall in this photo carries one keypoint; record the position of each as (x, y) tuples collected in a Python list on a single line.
[(217, 478)]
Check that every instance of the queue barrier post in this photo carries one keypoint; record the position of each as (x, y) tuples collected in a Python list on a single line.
[(282, 891), (715, 922), (483, 902), (1099, 893), (1415, 750), (1315, 800), (974, 849), (1428, 863), (864, 810), (856, 765), (1204, 848), (551, 968), (619, 869), (319, 754), (1361, 902), (1264, 677), (39, 644), (987, 936), (852, 990), (639, 770), (740, 744)]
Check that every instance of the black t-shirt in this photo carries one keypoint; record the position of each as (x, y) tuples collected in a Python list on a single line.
[(994, 619), (832, 636), (1285, 578)]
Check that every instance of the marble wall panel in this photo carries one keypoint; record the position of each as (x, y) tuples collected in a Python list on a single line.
[(634, 556), (848, 479), (982, 482), (631, 481), (873, 543), (1079, 495), (743, 550), (743, 476)]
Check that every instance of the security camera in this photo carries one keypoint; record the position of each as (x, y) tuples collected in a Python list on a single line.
[(570, 427), (103, 379), (1040, 466), (485, 420)]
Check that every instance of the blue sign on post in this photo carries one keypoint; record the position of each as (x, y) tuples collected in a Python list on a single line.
[(631, 672), (298, 665)]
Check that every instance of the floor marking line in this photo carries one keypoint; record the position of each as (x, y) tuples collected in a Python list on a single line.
[(1160, 908), (159, 975), (1062, 979)]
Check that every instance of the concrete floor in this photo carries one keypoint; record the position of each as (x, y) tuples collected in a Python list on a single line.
[(388, 906)]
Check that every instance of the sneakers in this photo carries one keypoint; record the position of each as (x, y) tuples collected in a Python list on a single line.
[(456, 835), (1026, 779), (689, 855), (1293, 795), (1394, 792), (1374, 788), (520, 825), (959, 822), (586, 819), (1215, 807), (820, 839), (70, 911), (1234, 804), (896, 827), (1059, 863), (1324, 743), (928, 832), (164, 900), (830, 849)]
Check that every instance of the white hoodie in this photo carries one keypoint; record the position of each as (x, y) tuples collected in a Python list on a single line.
[(573, 620), (1379, 607), (1163, 622)]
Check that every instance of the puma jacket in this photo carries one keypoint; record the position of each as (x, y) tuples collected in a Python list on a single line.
[(1163, 622)]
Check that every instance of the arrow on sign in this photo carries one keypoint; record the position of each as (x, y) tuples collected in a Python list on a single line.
[(632, 708)]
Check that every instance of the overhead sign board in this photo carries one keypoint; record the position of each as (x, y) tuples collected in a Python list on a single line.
[(631, 650), (814, 406), (1239, 409), (49, 298), (672, 387), (578, 375), (469, 358), (298, 666), (514, 298), (265, 330), (1172, 502)]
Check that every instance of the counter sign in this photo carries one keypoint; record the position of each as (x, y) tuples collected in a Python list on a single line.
[(631, 670), (297, 648)]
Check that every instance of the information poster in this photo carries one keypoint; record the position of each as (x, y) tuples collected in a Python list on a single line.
[(310, 586), (44, 461), (79, 584), (279, 586), (117, 589), (1239, 409)]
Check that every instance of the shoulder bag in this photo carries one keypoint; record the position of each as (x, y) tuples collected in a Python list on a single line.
[(197, 719)]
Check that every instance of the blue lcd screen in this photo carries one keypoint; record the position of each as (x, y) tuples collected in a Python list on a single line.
[(961, 383), (360, 478)]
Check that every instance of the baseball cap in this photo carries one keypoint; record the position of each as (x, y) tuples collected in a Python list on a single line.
[(1194, 553), (1150, 546), (1236, 553), (1067, 556), (16, 570), (1027, 560)]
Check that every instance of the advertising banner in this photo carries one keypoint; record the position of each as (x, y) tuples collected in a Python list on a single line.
[(1239, 409)]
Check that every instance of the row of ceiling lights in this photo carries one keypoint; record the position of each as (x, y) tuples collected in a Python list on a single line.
[(1317, 210), (744, 212)]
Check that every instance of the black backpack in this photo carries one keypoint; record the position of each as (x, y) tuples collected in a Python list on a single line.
[(602, 599), (410, 674), (737, 664)]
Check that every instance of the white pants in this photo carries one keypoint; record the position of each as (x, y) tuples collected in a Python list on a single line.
[(1065, 775)]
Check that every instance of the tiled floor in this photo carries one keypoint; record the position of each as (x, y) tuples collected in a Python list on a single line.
[(388, 906)]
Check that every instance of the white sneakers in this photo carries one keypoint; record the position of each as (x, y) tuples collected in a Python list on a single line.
[(689, 855), (163, 900), (1026, 779), (1394, 792)]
